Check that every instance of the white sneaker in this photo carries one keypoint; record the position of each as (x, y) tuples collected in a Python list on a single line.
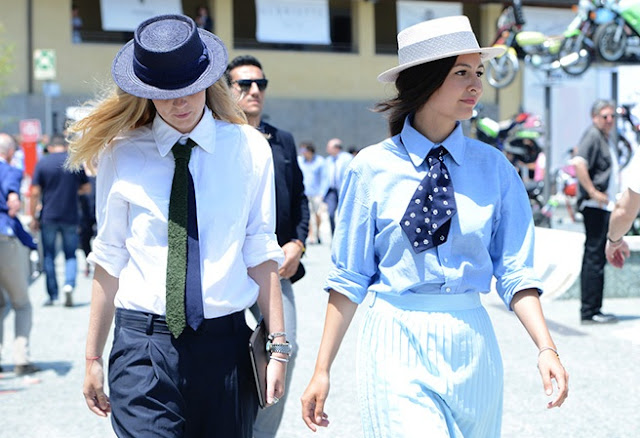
[(68, 295)]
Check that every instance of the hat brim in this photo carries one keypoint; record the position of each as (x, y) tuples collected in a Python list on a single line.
[(124, 76), (486, 53)]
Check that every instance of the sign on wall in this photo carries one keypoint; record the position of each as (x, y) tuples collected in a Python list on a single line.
[(126, 15), (293, 21), (44, 64), (409, 13)]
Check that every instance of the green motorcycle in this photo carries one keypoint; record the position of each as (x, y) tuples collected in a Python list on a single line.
[(620, 37)]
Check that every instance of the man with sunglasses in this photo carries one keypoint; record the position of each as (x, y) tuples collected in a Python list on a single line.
[(597, 169), (248, 84)]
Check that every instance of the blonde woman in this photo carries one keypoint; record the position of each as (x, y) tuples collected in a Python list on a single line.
[(185, 241)]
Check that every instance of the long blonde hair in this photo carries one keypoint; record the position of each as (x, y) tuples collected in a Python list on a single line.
[(119, 112)]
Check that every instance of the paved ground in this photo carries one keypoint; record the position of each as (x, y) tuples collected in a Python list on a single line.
[(603, 362)]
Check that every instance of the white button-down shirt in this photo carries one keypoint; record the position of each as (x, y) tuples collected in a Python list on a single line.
[(232, 170)]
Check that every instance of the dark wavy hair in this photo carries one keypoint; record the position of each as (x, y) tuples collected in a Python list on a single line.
[(415, 86)]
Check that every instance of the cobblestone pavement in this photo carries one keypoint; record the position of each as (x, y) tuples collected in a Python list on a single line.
[(602, 361)]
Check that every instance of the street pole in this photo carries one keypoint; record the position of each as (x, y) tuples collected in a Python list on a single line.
[(546, 191), (48, 123)]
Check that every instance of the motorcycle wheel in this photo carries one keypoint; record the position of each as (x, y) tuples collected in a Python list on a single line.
[(585, 56), (624, 151), (539, 218), (609, 49), (502, 71)]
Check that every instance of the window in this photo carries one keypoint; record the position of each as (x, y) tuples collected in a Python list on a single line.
[(262, 32), (87, 23)]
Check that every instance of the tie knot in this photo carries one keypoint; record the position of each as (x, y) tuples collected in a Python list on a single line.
[(436, 153), (183, 151)]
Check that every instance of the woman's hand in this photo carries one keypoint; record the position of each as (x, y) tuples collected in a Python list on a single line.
[(617, 253), (93, 388), (313, 401), (276, 371), (551, 368)]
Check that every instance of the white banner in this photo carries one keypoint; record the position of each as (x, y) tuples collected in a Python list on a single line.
[(409, 13), (293, 21), (126, 15)]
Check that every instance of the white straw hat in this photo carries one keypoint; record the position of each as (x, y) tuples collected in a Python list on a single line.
[(436, 39)]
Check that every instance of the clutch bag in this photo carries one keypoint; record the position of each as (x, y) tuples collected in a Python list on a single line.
[(259, 361)]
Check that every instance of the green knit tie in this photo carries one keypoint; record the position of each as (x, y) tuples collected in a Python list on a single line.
[(177, 249)]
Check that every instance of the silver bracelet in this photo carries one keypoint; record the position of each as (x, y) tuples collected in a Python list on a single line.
[(272, 336), (280, 359), (548, 348)]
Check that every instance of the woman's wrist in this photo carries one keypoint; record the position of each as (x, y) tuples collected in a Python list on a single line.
[(614, 242), (552, 349)]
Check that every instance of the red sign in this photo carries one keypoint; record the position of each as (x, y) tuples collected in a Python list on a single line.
[(30, 130)]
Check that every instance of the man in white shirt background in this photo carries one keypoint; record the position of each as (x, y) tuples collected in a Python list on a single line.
[(336, 166)]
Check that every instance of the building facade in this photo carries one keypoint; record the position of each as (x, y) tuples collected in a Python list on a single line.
[(317, 90)]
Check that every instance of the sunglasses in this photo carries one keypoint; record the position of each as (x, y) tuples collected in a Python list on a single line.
[(245, 84)]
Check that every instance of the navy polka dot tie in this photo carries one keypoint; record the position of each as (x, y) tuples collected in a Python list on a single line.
[(428, 217)]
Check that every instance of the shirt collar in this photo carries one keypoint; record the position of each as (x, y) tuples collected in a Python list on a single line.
[(418, 146), (204, 134)]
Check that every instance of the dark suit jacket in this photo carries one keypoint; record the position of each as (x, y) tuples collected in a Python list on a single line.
[(292, 208)]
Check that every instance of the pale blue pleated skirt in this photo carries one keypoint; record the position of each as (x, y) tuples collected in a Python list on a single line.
[(429, 366)]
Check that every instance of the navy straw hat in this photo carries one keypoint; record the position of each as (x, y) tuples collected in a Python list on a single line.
[(169, 57)]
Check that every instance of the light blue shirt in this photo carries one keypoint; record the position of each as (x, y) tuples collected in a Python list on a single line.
[(335, 170), (313, 175), (492, 233)]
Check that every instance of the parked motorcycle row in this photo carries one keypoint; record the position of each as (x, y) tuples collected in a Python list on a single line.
[(608, 30), (520, 139)]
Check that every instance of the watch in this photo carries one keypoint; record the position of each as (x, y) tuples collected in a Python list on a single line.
[(283, 348)]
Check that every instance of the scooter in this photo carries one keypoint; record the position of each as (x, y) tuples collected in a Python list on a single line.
[(621, 36)]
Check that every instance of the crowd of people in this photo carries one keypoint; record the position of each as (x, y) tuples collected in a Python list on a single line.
[(185, 235)]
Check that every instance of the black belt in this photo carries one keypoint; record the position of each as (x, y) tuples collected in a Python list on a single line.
[(151, 323)]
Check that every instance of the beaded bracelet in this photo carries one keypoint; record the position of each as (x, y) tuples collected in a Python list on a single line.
[(548, 348)]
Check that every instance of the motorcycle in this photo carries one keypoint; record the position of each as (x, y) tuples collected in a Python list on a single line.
[(518, 139), (493, 132), (628, 127), (621, 36), (577, 50), (535, 48)]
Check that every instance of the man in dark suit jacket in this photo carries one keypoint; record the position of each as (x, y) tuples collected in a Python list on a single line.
[(248, 84), (13, 259)]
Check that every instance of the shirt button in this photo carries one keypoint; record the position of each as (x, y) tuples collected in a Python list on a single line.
[(448, 289)]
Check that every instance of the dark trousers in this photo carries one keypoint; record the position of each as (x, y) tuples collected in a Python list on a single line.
[(596, 225), (199, 385), (331, 199)]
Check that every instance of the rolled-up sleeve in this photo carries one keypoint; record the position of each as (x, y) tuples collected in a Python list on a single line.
[(353, 250), (513, 242), (260, 242), (112, 218)]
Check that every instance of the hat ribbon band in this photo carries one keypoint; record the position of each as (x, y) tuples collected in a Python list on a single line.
[(440, 45), (180, 77)]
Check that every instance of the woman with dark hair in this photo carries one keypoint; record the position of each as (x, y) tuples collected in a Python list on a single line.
[(426, 219)]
